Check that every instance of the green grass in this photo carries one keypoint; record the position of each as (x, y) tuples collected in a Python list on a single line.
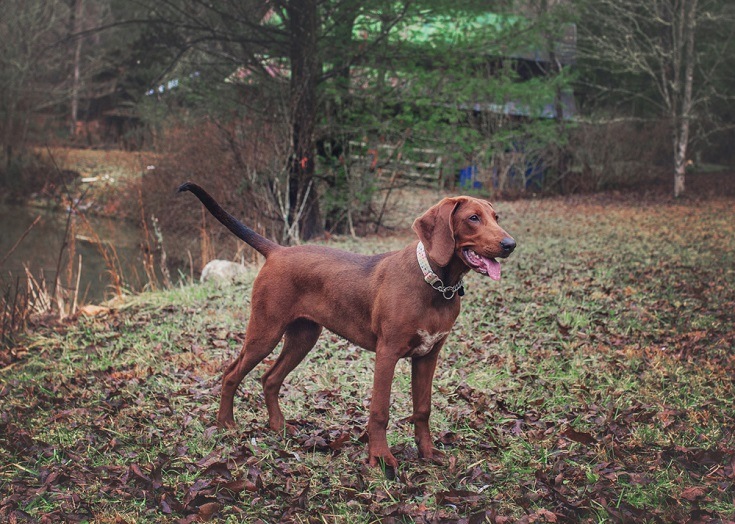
[(592, 384)]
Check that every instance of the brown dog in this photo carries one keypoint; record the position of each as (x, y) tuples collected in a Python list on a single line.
[(398, 304)]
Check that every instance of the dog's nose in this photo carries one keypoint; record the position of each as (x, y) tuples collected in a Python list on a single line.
[(508, 245)]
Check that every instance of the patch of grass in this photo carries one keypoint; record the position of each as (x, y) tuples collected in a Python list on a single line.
[(593, 383)]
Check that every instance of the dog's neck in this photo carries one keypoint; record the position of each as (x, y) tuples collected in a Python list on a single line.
[(445, 279), (454, 271)]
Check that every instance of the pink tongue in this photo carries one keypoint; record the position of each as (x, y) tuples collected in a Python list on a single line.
[(492, 267)]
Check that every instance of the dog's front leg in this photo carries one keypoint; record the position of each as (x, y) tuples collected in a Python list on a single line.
[(378, 451), (422, 377)]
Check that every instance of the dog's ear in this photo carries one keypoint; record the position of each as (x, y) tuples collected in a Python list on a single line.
[(436, 232)]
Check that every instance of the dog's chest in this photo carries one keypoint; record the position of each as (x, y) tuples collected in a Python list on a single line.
[(423, 342)]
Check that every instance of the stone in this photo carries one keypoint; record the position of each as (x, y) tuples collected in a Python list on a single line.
[(223, 272)]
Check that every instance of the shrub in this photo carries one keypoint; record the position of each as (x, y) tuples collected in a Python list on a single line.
[(614, 155)]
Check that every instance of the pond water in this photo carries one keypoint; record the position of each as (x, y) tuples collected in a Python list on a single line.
[(39, 251)]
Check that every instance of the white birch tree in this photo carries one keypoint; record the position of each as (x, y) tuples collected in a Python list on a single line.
[(660, 42)]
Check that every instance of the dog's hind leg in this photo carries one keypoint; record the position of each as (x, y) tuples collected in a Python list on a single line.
[(301, 335), (261, 339)]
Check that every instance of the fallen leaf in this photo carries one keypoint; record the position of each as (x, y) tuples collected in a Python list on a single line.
[(208, 510), (579, 436), (338, 443), (457, 497), (692, 494)]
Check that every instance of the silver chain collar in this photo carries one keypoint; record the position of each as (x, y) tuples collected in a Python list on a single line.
[(433, 279)]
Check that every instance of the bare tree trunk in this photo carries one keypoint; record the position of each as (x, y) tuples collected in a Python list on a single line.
[(681, 142), (76, 28), (680, 149)]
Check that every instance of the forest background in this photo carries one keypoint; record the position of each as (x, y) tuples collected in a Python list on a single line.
[(308, 114)]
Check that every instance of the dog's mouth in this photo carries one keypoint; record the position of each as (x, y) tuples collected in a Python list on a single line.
[(483, 265)]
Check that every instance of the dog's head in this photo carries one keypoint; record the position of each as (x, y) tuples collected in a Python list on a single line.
[(467, 228)]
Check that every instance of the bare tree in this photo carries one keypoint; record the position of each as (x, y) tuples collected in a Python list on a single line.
[(31, 76), (76, 15), (660, 42)]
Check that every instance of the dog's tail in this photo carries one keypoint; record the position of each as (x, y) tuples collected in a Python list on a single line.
[(241, 231)]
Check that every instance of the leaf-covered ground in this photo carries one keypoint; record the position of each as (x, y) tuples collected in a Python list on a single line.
[(593, 383)]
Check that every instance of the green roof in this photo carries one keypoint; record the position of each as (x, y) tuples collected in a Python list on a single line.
[(428, 29)]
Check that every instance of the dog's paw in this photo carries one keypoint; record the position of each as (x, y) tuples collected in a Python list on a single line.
[(226, 422), (290, 429), (388, 470), (434, 456), (386, 462)]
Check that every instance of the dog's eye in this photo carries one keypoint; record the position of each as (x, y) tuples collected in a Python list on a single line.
[(474, 218)]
